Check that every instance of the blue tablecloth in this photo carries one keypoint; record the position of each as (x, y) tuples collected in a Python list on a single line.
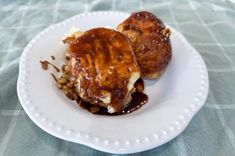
[(208, 25)]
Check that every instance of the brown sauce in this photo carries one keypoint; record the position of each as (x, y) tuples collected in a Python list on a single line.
[(138, 100), (54, 77), (45, 64), (139, 85), (53, 57)]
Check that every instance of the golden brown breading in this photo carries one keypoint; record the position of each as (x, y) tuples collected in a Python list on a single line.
[(150, 41)]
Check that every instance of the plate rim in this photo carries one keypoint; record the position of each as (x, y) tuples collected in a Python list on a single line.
[(105, 145)]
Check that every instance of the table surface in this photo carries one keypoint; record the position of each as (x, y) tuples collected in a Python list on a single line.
[(208, 25)]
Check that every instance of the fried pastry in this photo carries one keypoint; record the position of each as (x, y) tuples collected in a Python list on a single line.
[(104, 68), (150, 40)]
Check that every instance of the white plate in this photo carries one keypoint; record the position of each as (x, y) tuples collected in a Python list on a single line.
[(173, 99)]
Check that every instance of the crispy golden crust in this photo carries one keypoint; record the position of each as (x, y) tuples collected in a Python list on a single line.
[(150, 41)]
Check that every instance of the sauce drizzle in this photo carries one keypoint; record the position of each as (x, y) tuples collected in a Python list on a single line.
[(46, 63), (54, 77), (53, 57), (138, 100)]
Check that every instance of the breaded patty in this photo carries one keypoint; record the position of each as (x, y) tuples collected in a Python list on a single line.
[(105, 68), (150, 41)]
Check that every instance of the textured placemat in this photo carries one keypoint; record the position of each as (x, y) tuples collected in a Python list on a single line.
[(208, 25)]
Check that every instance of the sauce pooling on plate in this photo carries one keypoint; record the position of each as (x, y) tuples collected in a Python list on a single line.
[(138, 100)]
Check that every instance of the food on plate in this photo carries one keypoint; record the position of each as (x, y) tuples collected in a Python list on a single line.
[(150, 40), (104, 67), (72, 35), (53, 57), (101, 69), (45, 64)]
